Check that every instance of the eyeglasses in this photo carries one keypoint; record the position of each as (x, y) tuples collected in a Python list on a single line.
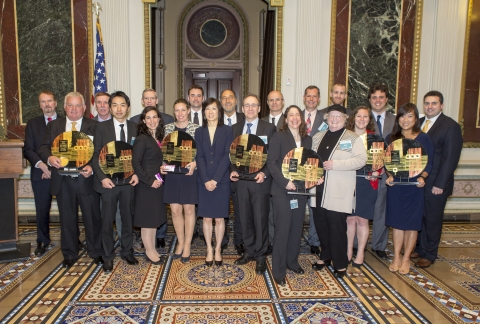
[(275, 100), (252, 105)]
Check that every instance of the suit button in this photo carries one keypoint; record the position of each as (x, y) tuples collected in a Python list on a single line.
[(211, 162), (211, 153)]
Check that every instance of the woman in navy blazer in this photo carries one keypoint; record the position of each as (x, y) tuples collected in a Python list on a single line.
[(213, 163)]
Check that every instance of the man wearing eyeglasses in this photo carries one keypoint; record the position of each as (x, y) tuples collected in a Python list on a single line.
[(231, 117), (275, 104), (254, 196)]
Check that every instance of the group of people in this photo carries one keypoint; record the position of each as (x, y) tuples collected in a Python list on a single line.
[(267, 218)]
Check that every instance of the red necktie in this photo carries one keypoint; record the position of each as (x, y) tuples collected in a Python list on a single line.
[(309, 124)]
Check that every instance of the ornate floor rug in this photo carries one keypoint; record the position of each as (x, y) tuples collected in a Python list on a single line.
[(195, 293)]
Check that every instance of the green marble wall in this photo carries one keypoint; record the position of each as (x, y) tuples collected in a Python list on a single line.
[(374, 43), (44, 30)]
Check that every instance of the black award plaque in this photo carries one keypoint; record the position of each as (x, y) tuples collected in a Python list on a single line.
[(248, 155), (405, 159), (375, 146), (179, 149), (74, 149), (115, 160), (302, 166)]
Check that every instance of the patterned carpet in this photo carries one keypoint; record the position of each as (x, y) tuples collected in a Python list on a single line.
[(194, 293)]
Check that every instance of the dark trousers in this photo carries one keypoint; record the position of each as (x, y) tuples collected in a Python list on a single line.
[(237, 226), (68, 200), (288, 232), (429, 238), (332, 230), (43, 203), (253, 213), (110, 198)]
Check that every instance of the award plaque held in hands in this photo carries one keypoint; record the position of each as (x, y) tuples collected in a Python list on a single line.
[(302, 166), (248, 155), (375, 146), (405, 159), (74, 149), (179, 149), (115, 160)]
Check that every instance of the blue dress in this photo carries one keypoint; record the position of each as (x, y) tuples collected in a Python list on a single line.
[(365, 197), (405, 203)]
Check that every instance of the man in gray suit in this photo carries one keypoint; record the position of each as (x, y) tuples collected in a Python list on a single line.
[(150, 99), (384, 121), (102, 107), (275, 104)]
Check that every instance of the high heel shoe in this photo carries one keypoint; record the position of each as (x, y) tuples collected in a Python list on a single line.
[(208, 263), (218, 263), (185, 259), (340, 273), (357, 265), (320, 266), (159, 262), (177, 256)]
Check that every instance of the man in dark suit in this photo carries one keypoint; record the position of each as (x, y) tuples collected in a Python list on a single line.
[(447, 139), (254, 196), (313, 120), (116, 129), (275, 105), (101, 105), (196, 98), (384, 121), (231, 116), (150, 98), (228, 100), (39, 172), (73, 191)]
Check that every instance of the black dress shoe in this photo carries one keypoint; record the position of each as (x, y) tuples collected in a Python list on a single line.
[(208, 263), (98, 260), (40, 250), (244, 259), (160, 243), (314, 249), (280, 282), (340, 274), (240, 249), (218, 263), (297, 271), (107, 266), (261, 267), (381, 254), (67, 263), (270, 249), (130, 259), (320, 266)]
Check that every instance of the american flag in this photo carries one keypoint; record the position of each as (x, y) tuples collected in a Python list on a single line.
[(99, 74)]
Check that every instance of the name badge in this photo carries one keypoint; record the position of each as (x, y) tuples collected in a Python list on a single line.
[(264, 138), (293, 204), (168, 168), (323, 127), (132, 140), (345, 145)]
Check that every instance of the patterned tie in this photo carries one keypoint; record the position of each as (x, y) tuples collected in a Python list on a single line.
[(74, 129), (273, 120), (379, 124), (229, 121), (195, 118), (122, 133), (49, 119), (425, 127), (249, 131), (309, 124)]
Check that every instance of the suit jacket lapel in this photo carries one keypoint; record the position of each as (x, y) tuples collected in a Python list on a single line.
[(437, 125), (291, 139)]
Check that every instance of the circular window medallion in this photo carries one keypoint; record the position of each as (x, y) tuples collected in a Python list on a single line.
[(213, 33)]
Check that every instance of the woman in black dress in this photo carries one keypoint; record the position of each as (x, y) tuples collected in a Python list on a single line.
[(181, 189), (150, 211), (362, 123), (213, 182)]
